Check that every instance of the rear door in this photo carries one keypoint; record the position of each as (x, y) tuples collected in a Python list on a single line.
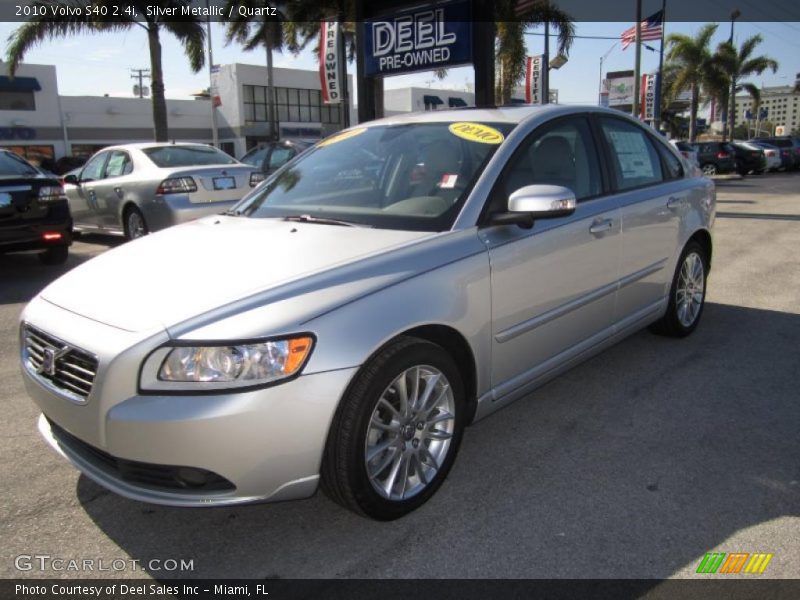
[(652, 196), (553, 286)]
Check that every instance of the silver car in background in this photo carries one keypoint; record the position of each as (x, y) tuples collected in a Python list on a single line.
[(134, 189), (344, 323)]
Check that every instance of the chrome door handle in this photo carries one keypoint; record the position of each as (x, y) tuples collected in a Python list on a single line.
[(675, 202), (601, 225)]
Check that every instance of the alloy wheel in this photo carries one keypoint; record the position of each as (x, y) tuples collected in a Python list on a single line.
[(689, 292), (136, 226), (409, 433)]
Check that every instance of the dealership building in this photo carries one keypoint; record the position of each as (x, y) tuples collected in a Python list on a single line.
[(37, 122)]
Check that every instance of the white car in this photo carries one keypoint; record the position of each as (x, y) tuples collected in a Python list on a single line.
[(687, 151)]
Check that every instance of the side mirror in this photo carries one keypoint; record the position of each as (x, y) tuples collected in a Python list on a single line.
[(536, 202), (71, 178), (543, 201)]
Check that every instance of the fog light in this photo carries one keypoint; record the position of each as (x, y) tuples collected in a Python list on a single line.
[(189, 477), (52, 236)]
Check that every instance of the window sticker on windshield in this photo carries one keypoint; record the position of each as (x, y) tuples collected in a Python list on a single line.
[(338, 137), (448, 181), (475, 132)]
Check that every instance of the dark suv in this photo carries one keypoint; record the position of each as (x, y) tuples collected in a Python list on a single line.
[(749, 158), (790, 148), (34, 214), (715, 157)]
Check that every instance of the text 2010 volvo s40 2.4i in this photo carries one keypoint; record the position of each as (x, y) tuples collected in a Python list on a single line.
[(344, 322)]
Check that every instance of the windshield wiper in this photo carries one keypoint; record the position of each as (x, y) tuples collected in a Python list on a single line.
[(322, 220)]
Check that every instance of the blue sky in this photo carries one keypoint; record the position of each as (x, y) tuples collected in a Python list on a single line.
[(99, 64)]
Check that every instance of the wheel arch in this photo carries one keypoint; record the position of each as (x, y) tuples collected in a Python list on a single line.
[(703, 237)]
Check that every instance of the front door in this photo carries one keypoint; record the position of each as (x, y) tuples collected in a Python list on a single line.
[(83, 201), (553, 286)]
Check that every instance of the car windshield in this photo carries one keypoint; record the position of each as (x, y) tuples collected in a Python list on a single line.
[(13, 165), (412, 176), (187, 156)]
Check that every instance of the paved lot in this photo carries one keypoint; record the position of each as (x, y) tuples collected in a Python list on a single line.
[(634, 464)]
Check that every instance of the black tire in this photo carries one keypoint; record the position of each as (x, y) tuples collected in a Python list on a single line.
[(709, 169), (129, 219), (670, 324), (344, 472), (55, 255)]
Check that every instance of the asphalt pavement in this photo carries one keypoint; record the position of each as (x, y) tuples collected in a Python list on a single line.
[(632, 465)]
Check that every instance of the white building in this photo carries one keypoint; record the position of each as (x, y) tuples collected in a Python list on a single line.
[(782, 104), (37, 122)]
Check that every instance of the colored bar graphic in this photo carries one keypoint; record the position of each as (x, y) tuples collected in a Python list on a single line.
[(758, 563), (734, 562), (711, 562)]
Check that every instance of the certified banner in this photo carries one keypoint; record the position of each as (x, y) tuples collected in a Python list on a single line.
[(329, 62), (648, 97), (534, 88)]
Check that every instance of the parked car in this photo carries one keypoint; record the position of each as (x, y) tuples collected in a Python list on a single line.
[(271, 156), (715, 158), (134, 189), (790, 148), (346, 334), (749, 158), (687, 150), (772, 154), (34, 214)]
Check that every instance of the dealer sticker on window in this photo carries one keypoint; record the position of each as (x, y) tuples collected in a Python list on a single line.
[(342, 136), (475, 132)]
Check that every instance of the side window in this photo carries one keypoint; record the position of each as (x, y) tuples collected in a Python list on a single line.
[(674, 169), (119, 164), (560, 154), (93, 170), (255, 158), (633, 158), (280, 156)]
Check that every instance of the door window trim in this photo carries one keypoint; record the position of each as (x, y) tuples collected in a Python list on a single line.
[(105, 167), (105, 154)]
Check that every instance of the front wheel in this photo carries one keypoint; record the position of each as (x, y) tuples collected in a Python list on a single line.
[(687, 295), (397, 432)]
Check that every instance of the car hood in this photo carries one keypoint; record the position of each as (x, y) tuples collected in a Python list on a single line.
[(171, 276)]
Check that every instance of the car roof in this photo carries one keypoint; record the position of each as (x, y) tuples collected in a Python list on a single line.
[(144, 145), (502, 114)]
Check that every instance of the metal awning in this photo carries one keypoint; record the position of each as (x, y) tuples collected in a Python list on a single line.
[(434, 100), (19, 84), (455, 102)]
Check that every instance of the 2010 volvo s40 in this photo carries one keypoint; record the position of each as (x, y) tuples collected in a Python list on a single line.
[(344, 322)]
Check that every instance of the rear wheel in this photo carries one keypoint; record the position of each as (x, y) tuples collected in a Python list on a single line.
[(134, 223), (55, 255), (397, 432), (709, 169), (687, 295)]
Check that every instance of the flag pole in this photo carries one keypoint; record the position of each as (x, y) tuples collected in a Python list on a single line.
[(638, 64), (657, 108)]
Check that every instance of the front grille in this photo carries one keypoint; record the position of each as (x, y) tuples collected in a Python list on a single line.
[(159, 477), (70, 369)]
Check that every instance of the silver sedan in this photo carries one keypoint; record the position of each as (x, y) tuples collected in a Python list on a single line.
[(134, 189), (345, 322)]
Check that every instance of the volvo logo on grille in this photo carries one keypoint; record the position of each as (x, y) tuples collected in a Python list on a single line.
[(49, 358)]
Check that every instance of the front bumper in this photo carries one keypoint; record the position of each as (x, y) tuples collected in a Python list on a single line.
[(267, 443)]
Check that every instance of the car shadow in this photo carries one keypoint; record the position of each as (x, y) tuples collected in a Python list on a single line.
[(631, 465), (23, 275)]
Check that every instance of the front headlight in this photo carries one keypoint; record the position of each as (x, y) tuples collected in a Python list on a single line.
[(225, 366)]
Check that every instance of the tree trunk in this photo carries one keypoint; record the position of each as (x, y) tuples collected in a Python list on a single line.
[(693, 114), (732, 108), (160, 126)]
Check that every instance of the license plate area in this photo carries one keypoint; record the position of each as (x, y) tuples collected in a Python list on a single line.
[(224, 183)]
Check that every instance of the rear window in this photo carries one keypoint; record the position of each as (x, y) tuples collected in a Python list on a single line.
[(187, 156), (11, 164)]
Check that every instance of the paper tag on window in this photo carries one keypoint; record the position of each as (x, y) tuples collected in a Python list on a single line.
[(448, 181)]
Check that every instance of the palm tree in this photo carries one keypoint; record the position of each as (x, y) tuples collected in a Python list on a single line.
[(45, 27), (510, 42), (738, 64), (694, 68), (267, 32)]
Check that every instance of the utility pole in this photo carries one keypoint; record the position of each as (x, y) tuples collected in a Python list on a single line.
[(546, 63), (660, 76), (730, 118), (140, 74), (214, 128)]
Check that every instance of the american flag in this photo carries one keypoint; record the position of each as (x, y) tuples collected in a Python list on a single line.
[(651, 30)]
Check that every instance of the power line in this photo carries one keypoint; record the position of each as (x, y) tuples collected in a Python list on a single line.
[(582, 37)]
